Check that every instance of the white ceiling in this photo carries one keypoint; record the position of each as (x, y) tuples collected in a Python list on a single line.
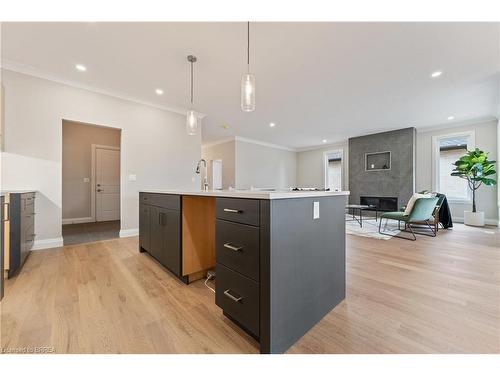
[(314, 80)]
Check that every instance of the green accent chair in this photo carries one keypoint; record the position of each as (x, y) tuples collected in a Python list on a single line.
[(422, 212), (435, 216)]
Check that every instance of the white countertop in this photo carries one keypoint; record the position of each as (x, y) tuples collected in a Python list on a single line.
[(254, 194), (4, 192)]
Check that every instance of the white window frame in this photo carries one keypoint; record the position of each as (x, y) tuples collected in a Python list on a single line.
[(436, 140), (326, 155)]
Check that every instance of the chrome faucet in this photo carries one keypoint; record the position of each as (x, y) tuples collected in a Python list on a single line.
[(204, 180)]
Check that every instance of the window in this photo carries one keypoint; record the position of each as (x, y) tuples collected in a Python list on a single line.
[(448, 149), (333, 169)]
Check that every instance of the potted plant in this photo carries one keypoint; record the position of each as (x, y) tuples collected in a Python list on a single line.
[(477, 170)]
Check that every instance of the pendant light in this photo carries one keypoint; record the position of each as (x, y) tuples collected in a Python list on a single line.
[(248, 82), (192, 121)]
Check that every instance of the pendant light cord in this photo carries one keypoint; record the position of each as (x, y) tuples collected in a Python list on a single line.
[(191, 82), (248, 46)]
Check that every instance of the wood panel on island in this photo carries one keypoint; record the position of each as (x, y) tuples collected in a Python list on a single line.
[(279, 267)]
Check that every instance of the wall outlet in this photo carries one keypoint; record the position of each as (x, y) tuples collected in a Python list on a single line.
[(132, 177), (315, 210), (210, 275)]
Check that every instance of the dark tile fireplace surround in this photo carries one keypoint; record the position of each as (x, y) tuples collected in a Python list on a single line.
[(387, 188), (380, 203)]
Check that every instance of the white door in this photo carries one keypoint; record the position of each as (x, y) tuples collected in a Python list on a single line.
[(107, 175)]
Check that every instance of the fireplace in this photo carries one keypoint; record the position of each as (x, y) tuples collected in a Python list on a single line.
[(380, 203)]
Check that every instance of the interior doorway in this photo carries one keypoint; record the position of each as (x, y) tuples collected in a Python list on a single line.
[(90, 182), (333, 169)]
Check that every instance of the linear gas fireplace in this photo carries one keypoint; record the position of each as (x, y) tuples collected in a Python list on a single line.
[(380, 203)]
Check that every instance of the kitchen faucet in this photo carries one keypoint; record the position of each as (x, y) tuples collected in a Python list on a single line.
[(204, 181)]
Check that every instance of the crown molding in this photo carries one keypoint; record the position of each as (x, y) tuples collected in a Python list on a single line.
[(325, 146), (249, 140), (215, 143), (266, 144), (29, 70), (456, 124)]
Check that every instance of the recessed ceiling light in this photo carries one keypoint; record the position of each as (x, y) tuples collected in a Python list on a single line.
[(451, 117), (436, 74), (159, 92), (81, 68), (272, 124), (324, 141)]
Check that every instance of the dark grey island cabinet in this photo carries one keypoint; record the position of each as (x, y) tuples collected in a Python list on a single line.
[(160, 230), (279, 259), (19, 231)]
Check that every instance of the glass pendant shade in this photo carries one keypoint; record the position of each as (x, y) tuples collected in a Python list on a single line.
[(192, 123), (248, 92)]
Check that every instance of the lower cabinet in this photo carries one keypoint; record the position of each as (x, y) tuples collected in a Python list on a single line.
[(160, 231), (4, 209), (238, 296), (165, 238), (21, 230), (237, 288), (144, 228)]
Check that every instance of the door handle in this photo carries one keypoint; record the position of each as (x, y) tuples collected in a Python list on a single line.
[(161, 216), (232, 210), (235, 299), (231, 247)]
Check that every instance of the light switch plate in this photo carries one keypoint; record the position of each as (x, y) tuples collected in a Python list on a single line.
[(315, 210), (86, 179), (132, 177)]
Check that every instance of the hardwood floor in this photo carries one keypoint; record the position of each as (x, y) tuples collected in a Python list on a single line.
[(435, 295)]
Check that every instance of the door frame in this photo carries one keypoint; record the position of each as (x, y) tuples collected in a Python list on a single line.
[(92, 177), (325, 166)]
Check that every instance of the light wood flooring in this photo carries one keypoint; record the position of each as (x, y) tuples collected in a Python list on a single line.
[(435, 295)]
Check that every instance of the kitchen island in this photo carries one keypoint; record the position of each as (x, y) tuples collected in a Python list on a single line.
[(279, 256)]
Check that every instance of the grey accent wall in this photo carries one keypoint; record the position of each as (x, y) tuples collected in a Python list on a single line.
[(399, 181)]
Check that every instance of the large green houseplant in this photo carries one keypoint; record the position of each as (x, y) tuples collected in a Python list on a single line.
[(475, 167)]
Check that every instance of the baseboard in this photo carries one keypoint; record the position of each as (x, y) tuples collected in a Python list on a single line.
[(78, 220), (486, 221), (48, 243), (129, 232)]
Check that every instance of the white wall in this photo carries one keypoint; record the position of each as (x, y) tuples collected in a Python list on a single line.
[(154, 146), (226, 152), (486, 139), (259, 165), (310, 166), (247, 163)]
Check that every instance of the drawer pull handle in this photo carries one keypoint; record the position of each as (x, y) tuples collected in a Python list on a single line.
[(231, 247), (235, 299), (232, 210)]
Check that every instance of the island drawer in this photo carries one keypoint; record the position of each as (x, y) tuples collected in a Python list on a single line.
[(169, 201), (238, 296), (237, 247), (245, 211)]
